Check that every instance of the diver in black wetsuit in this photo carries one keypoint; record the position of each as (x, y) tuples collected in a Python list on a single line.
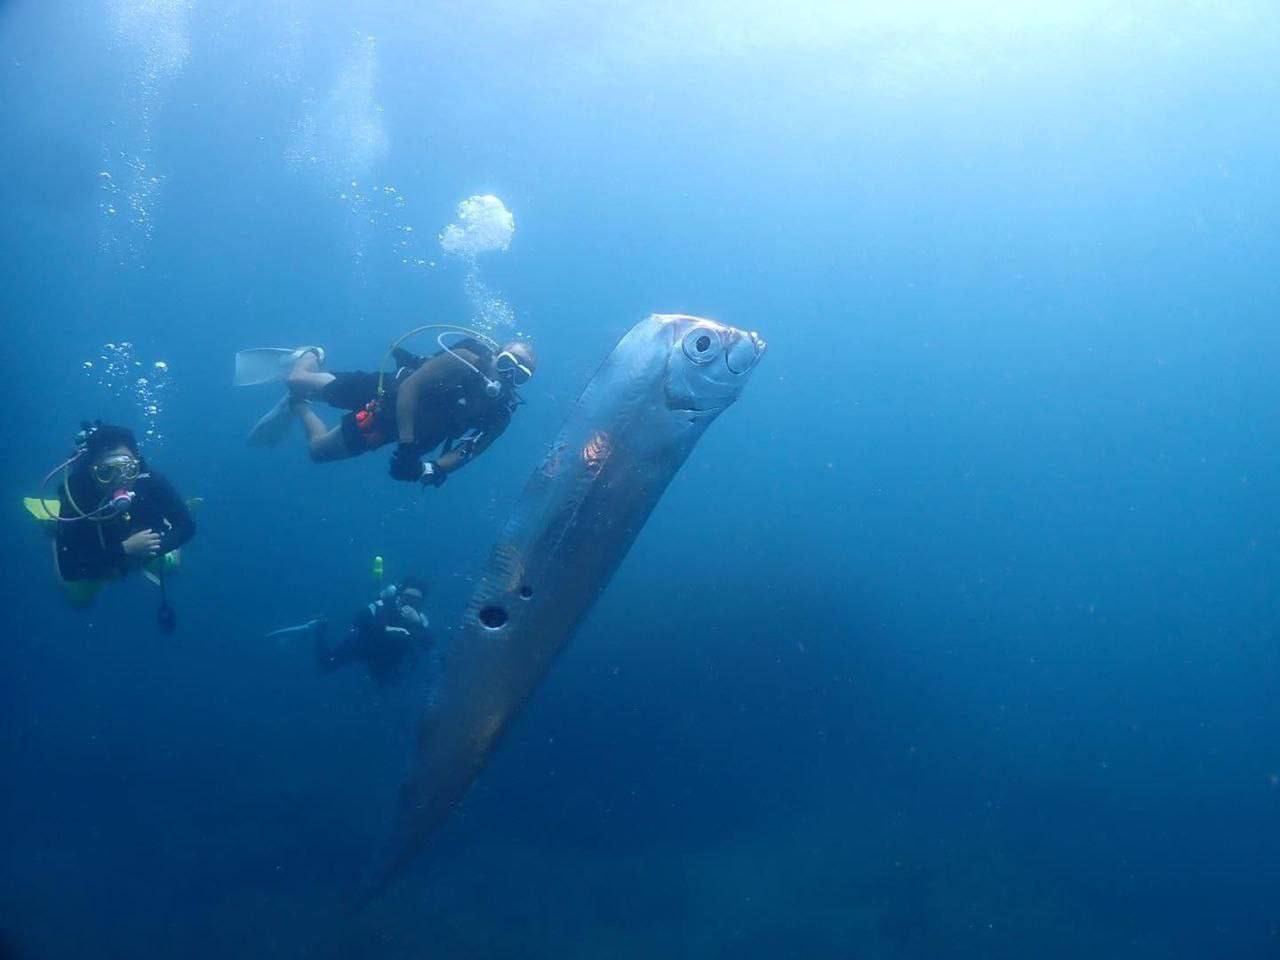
[(459, 400), (116, 513), (383, 636)]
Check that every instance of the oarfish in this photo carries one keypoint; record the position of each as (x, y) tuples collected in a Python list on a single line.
[(635, 423)]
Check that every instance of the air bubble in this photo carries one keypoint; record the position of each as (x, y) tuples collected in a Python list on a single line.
[(484, 225), (118, 375)]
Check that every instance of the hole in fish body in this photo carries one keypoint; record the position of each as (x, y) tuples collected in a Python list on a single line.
[(493, 617)]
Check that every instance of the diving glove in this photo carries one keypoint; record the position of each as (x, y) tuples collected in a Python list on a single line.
[(406, 463)]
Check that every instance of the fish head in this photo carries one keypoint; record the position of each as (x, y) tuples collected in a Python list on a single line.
[(708, 363)]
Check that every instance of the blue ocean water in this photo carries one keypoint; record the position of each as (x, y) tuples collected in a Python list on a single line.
[(958, 636)]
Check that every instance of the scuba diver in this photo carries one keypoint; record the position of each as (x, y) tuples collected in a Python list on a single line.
[(113, 515), (460, 399), (382, 636)]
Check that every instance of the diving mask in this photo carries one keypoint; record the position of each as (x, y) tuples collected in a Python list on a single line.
[(118, 469), (508, 364)]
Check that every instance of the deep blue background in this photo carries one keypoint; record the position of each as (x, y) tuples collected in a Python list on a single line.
[(958, 636)]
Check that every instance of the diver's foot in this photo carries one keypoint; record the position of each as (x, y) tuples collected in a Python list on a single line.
[(305, 377), (303, 351), (272, 428)]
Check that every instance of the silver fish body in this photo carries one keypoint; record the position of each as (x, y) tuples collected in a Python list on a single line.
[(634, 425)]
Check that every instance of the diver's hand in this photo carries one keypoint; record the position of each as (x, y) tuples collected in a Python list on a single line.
[(406, 464), (142, 545), (432, 475)]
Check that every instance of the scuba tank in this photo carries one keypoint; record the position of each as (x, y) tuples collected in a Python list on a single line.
[(407, 360)]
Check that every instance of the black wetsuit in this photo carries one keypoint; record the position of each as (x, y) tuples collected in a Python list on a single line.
[(380, 638), (93, 550), (452, 402)]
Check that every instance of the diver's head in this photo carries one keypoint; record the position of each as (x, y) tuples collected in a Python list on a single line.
[(411, 590), (111, 457), (410, 594), (515, 363)]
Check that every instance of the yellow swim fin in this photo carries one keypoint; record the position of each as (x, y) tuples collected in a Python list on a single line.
[(81, 593), (48, 510), (163, 565), (43, 510)]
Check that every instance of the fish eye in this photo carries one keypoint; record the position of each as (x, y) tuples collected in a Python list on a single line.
[(702, 344)]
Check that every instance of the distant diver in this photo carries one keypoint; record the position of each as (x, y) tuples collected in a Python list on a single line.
[(460, 399), (113, 515), (384, 635)]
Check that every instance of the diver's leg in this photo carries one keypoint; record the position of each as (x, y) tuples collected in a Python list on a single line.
[(324, 444), (306, 379)]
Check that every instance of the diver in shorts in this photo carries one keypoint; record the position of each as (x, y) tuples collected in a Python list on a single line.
[(458, 400)]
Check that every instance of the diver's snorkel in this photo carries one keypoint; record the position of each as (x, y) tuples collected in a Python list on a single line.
[(113, 506), (65, 465), (117, 502)]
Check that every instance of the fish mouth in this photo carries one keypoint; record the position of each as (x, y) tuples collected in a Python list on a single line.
[(744, 353), (694, 412)]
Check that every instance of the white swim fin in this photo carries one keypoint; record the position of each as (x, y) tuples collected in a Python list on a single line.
[(268, 364), (274, 425)]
